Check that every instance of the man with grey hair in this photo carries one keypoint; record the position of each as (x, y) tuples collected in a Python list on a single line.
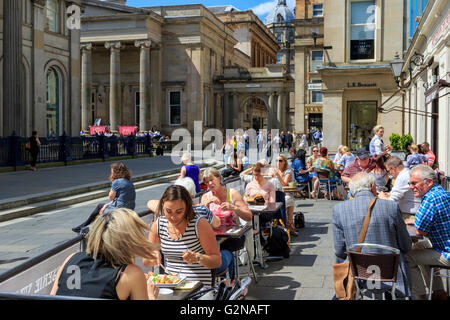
[(386, 226), (401, 193), (433, 221)]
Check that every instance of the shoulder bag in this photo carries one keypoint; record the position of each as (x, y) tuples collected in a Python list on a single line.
[(344, 281)]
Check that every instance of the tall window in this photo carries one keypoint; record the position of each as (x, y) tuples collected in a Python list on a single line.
[(316, 95), (316, 60), (362, 30), (317, 10), (53, 99), (52, 8), (137, 104), (174, 107)]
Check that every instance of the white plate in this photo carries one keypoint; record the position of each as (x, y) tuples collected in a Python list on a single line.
[(171, 285)]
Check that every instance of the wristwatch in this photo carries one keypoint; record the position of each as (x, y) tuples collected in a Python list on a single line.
[(200, 258)]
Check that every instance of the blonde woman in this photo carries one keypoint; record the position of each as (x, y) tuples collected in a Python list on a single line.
[(191, 170), (346, 158), (107, 269), (376, 146), (281, 178)]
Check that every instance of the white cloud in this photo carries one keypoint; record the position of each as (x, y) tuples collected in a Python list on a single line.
[(266, 7)]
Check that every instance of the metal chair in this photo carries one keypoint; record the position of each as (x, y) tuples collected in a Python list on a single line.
[(324, 179), (374, 268), (301, 184), (435, 272)]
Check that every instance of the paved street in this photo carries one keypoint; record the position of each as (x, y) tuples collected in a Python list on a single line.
[(307, 274)]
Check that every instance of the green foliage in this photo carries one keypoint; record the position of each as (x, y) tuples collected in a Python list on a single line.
[(398, 142), (406, 140), (395, 141)]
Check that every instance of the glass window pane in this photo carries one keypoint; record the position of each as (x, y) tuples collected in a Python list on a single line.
[(362, 117), (362, 12), (175, 115), (52, 102), (175, 97), (365, 32), (317, 55), (316, 96)]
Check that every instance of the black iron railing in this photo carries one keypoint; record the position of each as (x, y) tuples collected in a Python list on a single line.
[(66, 148)]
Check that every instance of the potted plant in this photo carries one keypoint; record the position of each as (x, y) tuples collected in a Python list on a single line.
[(399, 144)]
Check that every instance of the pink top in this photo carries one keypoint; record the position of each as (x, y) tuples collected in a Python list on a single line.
[(267, 191)]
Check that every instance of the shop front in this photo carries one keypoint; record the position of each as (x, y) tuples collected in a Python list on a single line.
[(351, 97)]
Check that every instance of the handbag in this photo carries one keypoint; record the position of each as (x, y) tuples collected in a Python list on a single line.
[(344, 280), (27, 146)]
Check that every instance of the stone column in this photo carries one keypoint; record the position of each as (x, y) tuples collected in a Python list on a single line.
[(86, 83), (270, 115), (144, 82), (281, 111), (114, 82), (236, 113), (226, 111), (13, 106)]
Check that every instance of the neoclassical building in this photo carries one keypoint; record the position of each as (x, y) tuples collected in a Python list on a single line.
[(39, 67), (164, 66)]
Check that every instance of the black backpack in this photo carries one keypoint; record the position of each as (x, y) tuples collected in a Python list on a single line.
[(299, 220), (278, 242)]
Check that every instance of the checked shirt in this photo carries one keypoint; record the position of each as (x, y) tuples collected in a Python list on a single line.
[(433, 217)]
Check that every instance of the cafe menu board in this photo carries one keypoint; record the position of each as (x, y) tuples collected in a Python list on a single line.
[(126, 130), (96, 129)]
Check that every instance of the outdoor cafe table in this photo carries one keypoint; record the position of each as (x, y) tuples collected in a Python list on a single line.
[(257, 210), (224, 232), (412, 233)]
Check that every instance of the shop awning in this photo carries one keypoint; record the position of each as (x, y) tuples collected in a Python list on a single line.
[(433, 93)]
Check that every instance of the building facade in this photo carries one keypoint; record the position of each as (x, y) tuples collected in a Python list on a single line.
[(361, 38), (39, 67), (309, 57), (426, 96), (154, 66)]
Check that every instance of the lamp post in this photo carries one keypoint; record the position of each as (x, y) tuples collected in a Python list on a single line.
[(397, 66)]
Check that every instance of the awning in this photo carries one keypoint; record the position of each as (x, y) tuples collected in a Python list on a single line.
[(433, 93)]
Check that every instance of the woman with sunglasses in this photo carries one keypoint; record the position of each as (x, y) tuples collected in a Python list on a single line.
[(107, 269), (282, 175)]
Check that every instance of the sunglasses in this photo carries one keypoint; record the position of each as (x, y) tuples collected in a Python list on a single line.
[(315, 150), (280, 160)]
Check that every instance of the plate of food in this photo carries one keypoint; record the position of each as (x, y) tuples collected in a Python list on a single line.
[(166, 280), (258, 199)]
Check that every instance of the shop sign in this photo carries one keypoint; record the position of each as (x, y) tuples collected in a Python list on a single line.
[(314, 86), (360, 85), (442, 29)]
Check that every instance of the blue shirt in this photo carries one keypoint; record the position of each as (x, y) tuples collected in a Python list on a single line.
[(125, 195), (433, 217), (296, 165), (415, 159)]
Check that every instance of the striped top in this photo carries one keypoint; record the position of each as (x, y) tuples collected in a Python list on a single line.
[(173, 251)]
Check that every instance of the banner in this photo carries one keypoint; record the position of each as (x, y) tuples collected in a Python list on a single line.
[(97, 129), (126, 130)]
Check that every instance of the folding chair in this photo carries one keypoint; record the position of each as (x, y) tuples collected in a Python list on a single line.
[(324, 180), (374, 268), (436, 272)]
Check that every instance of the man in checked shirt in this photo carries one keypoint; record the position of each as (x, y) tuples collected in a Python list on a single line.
[(433, 221)]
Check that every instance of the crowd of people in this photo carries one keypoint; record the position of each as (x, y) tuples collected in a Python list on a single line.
[(182, 236)]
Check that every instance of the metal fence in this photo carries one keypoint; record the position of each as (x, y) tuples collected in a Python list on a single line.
[(66, 148)]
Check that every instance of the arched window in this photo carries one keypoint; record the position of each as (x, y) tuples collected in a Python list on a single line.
[(53, 102), (279, 18), (52, 10)]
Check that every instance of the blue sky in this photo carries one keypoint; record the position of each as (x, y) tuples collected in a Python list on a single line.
[(260, 7)]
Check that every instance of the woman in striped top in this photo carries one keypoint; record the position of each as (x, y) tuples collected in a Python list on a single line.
[(187, 242)]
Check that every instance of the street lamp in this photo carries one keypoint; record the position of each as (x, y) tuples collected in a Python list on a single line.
[(397, 67)]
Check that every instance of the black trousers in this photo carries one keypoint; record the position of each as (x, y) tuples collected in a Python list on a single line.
[(92, 216), (34, 156)]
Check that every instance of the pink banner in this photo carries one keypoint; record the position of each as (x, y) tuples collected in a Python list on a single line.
[(126, 130), (97, 129)]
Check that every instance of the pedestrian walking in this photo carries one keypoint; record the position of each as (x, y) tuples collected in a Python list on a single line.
[(34, 148)]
